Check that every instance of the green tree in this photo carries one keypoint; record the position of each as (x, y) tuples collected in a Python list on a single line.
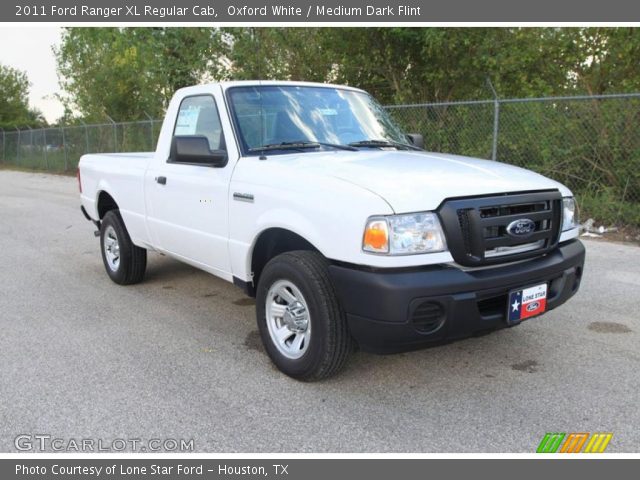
[(443, 64), (14, 100), (127, 73), (603, 60), (277, 54), (409, 64)]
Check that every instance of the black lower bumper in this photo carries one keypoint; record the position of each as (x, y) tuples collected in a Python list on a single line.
[(390, 311)]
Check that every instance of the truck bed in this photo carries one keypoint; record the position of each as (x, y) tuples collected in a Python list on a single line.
[(121, 174)]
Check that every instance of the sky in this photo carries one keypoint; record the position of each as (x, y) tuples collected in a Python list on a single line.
[(29, 49)]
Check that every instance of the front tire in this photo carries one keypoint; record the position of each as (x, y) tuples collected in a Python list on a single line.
[(124, 262), (301, 322)]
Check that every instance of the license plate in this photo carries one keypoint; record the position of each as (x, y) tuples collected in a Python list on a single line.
[(527, 302)]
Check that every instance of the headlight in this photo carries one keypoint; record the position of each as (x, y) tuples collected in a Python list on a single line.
[(408, 234), (570, 214)]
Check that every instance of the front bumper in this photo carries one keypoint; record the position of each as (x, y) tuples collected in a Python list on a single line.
[(390, 311)]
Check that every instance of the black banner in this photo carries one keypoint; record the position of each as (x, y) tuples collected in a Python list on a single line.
[(316, 469), (378, 11)]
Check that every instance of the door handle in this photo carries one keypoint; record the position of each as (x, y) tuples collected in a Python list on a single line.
[(161, 180)]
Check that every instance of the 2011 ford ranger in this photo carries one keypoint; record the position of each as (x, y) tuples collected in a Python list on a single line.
[(310, 198)]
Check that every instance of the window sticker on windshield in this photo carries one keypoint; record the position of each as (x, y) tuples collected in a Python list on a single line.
[(328, 111), (187, 121)]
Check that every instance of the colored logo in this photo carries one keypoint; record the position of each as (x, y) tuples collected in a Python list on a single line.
[(574, 443), (527, 303), (533, 306), (521, 228)]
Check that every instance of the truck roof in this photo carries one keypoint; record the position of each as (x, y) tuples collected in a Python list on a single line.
[(249, 83)]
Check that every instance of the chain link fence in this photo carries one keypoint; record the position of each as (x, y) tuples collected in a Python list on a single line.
[(589, 143), (58, 149)]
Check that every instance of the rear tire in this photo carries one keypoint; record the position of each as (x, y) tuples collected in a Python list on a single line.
[(124, 262), (301, 322)]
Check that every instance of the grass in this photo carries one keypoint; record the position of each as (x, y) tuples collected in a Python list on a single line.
[(27, 169), (52, 161), (608, 210)]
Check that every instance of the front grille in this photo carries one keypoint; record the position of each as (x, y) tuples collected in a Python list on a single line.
[(504, 210), (494, 229), (465, 228)]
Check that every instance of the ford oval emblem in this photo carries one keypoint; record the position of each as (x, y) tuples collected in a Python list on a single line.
[(521, 228), (533, 306)]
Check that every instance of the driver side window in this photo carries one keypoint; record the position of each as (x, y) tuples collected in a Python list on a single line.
[(198, 117)]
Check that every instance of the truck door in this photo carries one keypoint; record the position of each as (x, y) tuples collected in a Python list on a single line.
[(187, 203)]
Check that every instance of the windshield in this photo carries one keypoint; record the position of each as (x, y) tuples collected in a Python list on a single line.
[(277, 115)]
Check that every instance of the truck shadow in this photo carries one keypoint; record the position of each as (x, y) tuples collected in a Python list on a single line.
[(487, 356), (167, 270)]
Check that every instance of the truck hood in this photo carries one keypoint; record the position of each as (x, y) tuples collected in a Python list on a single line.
[(414, 181)]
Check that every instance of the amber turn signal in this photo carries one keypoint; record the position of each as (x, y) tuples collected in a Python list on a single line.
[(376, 237)]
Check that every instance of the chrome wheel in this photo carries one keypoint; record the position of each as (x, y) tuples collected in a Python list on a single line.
[(288, 319), (112, 248)]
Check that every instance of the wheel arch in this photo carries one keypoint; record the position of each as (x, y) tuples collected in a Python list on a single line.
[(104, 203), (269, 243)]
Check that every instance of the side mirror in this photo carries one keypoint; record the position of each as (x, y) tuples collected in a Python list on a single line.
[(195, 150), (416, 139)]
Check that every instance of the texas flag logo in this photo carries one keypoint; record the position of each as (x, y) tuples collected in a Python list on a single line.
[(527, 303)]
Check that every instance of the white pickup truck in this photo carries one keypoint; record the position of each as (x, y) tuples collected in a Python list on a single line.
[(311, 199)]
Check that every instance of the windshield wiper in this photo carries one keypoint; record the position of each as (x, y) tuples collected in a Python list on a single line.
[(284, 146), (384, 143), (301, 145), (339, 146)]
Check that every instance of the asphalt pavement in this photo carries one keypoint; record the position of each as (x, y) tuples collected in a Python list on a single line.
[(179, 357)]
